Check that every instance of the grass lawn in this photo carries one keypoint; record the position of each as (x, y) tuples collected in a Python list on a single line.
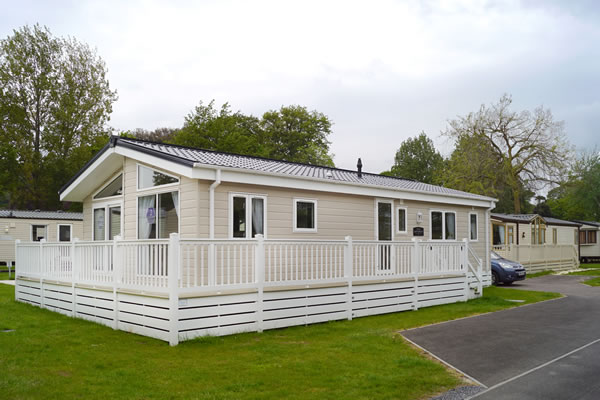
[(51, 356), (538, 274), (4, 275), (589, 272), (589, 266)]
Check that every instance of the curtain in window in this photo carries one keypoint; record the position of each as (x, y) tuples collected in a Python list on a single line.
[(258, 209), (500, 234), (146, 216), (175, 196), (473, 227), (450, 226)]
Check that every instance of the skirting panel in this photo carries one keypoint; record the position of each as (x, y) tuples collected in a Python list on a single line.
[(247, 312)]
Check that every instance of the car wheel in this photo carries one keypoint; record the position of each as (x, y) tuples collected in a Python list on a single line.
[(494, 279), (508, 283)]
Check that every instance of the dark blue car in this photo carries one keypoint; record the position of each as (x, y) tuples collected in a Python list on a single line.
[(506, 271)]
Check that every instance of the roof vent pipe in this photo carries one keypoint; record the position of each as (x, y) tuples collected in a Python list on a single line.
[(359, 166)]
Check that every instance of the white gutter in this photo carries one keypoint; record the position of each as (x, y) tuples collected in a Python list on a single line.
[(211, 201)]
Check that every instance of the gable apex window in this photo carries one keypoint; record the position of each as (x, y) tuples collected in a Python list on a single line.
[(305, 215), (443, 225), (114, 188), (150, 178)]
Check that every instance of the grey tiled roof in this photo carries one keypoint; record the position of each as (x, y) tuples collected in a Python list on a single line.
[(264, 165), (27, 214), (590, 223), (528, 217)]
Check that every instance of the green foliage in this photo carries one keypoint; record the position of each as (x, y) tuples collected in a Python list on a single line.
[(52, 356), (579, 196), (417, 159), (292, 133), (521, 150), (54, 105)]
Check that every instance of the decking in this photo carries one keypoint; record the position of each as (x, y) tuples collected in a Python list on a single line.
[(540, 257), (179, 289)]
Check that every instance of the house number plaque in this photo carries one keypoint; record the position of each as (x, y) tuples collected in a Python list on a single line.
[(418, 231)]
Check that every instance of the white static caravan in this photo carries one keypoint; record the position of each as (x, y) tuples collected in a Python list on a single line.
[(182, 242), (589, 246), (539, 243), (34, 226)]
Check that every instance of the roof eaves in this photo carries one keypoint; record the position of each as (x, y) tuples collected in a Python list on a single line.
[(86, 166)]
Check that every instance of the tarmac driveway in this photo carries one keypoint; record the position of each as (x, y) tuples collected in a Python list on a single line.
[(548, 350)]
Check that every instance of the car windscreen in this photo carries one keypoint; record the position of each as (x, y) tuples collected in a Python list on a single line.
[(495, 256)]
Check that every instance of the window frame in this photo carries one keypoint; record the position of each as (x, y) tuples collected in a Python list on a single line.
[(31, 232), (159, 187), (154, 193), (58, 233), (444, 212), (295, 228), (476, 226), (405, 231), (106, 205), (248, 197)]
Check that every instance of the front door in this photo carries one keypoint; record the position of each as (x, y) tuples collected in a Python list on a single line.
[(384, 233)]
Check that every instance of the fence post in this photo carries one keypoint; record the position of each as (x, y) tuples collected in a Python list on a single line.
[(117, 274), (17, 242), (74, 274), (259, 265), (464, 260), (348, 273), (416, 262), (42, 266), (173, 271)]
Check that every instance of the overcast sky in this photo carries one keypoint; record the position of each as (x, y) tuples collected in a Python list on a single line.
[(381, 70)]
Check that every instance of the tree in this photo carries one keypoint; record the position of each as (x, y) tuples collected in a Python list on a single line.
[(295, 134), (578, 197), (417, 159), (530, 147), (220, 130), (158, 135), (54, 104), (290, 134)]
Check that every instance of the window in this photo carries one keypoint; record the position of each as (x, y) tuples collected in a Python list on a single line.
[(582, 237), (554, 236), (64, 233), (443, 225), (158, 215), (38, 232), (591, 237), (104, 230), (511, 235), (538, 231), (473, 227), (247, 216), (149, 178), (305, 215), (498, 234), (401, 212), (115, 188)]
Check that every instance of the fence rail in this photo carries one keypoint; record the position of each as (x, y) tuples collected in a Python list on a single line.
[(203, 264)]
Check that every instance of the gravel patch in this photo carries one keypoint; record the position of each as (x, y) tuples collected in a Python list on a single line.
[(459, 393)]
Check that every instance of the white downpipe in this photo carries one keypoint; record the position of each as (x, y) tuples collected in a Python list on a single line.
[(488, 239), (211, 200)]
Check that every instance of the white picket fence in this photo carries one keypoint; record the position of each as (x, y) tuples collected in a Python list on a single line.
[(181, 270)]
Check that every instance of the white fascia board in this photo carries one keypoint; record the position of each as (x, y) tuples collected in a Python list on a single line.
[(296, 182), (71, 192), (154, 161)]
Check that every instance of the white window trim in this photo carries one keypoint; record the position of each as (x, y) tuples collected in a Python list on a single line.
[(295, 219), (159, 187), (106, 204), (444, 212), (31, 232), (405, 231), (391, 202), (476, 226), (108, 182), (58, 232), (154, 193), (247, 196)]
